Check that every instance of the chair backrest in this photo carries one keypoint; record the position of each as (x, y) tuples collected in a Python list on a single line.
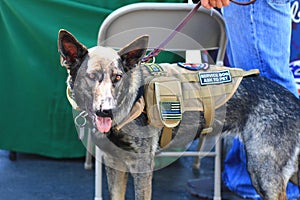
[(205, 31)]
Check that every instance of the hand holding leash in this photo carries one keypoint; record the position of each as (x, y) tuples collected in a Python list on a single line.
[(221, 3), (214, 3)]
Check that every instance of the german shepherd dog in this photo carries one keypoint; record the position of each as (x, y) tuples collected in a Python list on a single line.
[(106, 83)]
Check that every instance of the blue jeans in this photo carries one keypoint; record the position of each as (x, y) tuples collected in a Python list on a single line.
[(259, 36)]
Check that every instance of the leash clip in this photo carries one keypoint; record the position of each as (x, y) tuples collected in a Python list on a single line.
[(80, 120)]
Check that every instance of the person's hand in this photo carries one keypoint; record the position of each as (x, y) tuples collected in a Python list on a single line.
[(214, 3)]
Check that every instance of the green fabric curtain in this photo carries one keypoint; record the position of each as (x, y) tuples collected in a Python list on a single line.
[(35, 114)]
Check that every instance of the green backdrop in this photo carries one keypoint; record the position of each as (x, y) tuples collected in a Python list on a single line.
[(35, 114)]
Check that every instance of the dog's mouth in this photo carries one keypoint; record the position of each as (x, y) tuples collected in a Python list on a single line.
[(103, 120)]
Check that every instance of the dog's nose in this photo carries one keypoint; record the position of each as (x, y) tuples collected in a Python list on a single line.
[(104, 113)]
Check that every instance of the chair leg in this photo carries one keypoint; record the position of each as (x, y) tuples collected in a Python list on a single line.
[(98, 174), (88, 156), (217, 178)]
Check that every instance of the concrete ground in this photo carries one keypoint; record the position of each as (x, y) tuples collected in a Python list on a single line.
[(33, 177)]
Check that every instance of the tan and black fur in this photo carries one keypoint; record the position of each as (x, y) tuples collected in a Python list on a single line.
[(106, 83)]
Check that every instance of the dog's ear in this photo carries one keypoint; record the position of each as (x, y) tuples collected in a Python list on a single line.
[(71, 50), (133, 53)]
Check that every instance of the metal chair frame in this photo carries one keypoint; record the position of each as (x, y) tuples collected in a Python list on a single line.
[(205, 31)]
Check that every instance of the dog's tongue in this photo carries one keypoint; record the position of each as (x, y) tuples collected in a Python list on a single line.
[(103, 124)]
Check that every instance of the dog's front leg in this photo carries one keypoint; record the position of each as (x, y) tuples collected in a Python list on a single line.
[(117, 181), (142, 171), (142, 185)]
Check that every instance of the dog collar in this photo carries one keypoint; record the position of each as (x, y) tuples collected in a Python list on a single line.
[(136, 111)]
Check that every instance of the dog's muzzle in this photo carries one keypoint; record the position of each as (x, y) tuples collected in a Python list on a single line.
[(104, 120)]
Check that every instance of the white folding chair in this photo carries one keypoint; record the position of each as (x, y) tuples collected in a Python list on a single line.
[(205, 31)]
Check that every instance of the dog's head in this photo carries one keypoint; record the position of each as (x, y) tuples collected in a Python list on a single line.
[(103, 81)]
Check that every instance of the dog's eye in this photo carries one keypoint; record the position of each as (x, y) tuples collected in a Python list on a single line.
[(91, 76), (117, 78)]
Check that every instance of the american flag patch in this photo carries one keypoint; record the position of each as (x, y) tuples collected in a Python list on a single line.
[(170, 110)]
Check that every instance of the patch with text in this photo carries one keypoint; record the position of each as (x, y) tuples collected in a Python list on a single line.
[(215, 77)]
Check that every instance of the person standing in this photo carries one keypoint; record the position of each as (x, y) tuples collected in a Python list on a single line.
[(259, 36)]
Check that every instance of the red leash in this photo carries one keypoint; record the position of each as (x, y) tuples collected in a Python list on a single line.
[(157, 50), (160, 47), (243, 3)]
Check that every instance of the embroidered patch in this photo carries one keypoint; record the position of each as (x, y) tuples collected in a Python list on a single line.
[(194, 66), (170, 110), (215, 77), (153, 67)]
